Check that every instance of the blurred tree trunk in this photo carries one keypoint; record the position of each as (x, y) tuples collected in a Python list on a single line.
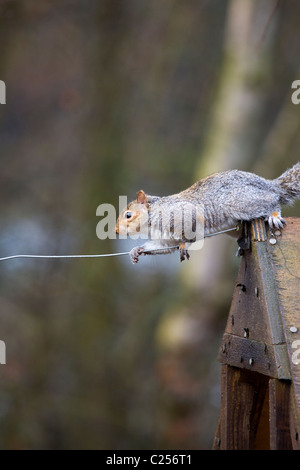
[(233, 140), (234, 131), (281, 145)]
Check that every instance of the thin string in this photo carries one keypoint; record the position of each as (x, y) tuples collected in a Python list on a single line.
[(106, 255), (64, 256)]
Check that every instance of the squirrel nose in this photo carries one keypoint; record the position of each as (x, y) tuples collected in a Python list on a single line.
[(117, 229)]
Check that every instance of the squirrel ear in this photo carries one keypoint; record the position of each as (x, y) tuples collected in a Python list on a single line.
[(141, 197)]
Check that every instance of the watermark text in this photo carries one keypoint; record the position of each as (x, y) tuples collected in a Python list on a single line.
[(2, 92), (296, 94), (2, 352), (296, 353), (177, 221)]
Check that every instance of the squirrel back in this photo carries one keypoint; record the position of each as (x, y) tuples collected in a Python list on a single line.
[(222, 200)]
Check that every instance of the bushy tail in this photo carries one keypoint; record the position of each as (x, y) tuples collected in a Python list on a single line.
[(290, 183)]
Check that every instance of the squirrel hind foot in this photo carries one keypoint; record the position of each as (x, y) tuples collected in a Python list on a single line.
[(275, 220), (184, 254)]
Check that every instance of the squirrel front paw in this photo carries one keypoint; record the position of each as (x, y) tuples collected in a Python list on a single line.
[(135, 253), (276, 221)]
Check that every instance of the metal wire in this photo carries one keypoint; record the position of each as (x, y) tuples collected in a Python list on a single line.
[(236, 228), (106, 255), (63, 256)]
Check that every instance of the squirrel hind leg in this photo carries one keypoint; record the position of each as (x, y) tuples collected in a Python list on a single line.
[(275, 220), (184, 254)]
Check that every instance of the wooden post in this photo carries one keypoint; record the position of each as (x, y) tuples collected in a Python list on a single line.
[(260, 382)]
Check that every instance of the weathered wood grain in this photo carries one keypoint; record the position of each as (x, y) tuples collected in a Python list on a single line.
[(255, 318), (279, 406), (260, 350), (294, 421), (254, 355), (285, 255), (242, 401)]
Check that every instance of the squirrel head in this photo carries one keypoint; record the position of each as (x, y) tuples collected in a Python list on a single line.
[(134, 218)]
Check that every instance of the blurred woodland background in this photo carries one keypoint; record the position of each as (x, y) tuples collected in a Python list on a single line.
[(105, 98)]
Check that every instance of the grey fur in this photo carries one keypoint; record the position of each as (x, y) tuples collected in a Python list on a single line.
[(227, 198)]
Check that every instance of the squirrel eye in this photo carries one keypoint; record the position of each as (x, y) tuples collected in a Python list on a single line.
[(128, 215)]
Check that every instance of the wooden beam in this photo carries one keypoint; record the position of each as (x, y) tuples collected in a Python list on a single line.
[(279, 399), (294, 421), (242, 398)]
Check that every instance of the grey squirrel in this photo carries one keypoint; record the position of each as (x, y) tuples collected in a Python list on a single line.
[(227, 198)]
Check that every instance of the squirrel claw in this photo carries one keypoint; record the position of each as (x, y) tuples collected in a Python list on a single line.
[(276, 221), (135, 253)]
